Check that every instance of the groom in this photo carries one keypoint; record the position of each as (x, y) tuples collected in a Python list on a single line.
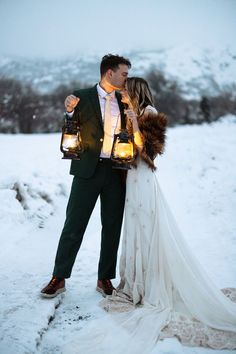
[(97, 110)]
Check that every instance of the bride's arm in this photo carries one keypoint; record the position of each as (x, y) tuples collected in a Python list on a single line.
[(132, 121), (138, 138)]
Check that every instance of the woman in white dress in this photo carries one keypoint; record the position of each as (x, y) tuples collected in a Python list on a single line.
[(164, 291), (159, 274)]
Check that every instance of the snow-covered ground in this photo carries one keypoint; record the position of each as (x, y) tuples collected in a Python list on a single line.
[(198, 177)]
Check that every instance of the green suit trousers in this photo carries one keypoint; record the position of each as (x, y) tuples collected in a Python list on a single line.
[(107, 183)]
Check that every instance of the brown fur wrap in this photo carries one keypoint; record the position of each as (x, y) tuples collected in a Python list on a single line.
[(153, 128)]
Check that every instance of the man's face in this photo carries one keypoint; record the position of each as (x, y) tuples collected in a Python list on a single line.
[(118, 77)]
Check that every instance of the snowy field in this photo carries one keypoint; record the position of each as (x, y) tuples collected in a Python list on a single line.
[(197, 174)]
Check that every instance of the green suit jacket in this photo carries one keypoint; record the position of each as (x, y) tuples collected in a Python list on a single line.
[(88, 114)]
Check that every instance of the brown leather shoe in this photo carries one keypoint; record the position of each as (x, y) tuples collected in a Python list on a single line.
[(105, 287), (55, 286)]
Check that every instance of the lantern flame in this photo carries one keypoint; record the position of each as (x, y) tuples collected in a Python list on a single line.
[(123, 150), (69, 142)]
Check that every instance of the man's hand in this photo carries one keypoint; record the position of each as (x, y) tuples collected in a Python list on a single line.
[(71, 102)]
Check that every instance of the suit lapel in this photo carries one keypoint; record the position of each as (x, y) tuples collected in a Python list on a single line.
[(95, 103)]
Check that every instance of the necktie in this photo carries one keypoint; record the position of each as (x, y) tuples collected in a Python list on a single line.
[(107, 143)]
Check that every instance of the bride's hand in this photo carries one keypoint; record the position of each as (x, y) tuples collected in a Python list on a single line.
[(125, 97), (131, 115)]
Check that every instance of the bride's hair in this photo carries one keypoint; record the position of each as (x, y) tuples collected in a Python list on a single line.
[(139, 93), (151, 124)]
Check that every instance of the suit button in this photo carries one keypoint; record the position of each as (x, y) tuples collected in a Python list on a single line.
[(101, 139)]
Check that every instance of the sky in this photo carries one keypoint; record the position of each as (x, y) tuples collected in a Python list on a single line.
[(61, 28)]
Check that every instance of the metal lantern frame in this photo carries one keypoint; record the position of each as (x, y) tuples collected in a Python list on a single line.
[(71, 129), (123, 137)]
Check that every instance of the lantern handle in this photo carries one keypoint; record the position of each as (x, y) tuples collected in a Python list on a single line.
[(123, 115), (122, 107)]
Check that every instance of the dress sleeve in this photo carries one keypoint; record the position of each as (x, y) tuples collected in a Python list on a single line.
[(150, 109)]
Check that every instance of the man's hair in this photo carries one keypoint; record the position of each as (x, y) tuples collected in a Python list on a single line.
[(111, 61)]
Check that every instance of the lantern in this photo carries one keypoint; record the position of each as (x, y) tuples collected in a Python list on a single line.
[(123, 149), (71, 143)]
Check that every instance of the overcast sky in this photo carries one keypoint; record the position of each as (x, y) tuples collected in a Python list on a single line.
[(57, 28)]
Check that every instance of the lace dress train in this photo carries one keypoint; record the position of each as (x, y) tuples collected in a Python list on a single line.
[(164, 291)]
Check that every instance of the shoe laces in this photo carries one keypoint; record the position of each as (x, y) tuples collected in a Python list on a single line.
[(54, 281)]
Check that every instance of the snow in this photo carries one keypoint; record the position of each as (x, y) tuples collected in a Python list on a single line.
[(198, 71), (197, 175)]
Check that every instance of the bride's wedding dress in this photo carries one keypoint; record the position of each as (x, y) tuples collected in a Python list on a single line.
[(161, 277)]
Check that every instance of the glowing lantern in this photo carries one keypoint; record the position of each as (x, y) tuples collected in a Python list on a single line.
[(71, 143), (123, 149)]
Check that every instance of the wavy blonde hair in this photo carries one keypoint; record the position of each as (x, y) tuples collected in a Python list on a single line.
[(139, 93), (151, 124)]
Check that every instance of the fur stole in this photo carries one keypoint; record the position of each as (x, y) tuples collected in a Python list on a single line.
[(153, 128)]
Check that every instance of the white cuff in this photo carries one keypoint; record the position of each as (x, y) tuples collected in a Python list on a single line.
[(70, 114)]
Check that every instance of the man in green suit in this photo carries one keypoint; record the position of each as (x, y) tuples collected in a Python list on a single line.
[(97, 110)]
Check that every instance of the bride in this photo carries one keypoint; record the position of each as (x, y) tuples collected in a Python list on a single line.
[(163, 291), (157, 269)]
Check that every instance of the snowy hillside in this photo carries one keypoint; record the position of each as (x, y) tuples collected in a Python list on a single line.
[(197, 176), (198, 71)]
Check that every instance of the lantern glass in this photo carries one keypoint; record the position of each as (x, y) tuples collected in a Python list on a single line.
[(71, 144), (123, 150)]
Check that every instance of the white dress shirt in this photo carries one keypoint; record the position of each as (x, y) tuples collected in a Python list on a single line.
[(115, 116)]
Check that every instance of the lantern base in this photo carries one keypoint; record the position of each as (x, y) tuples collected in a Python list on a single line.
[(69, 156), (121, 166)]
